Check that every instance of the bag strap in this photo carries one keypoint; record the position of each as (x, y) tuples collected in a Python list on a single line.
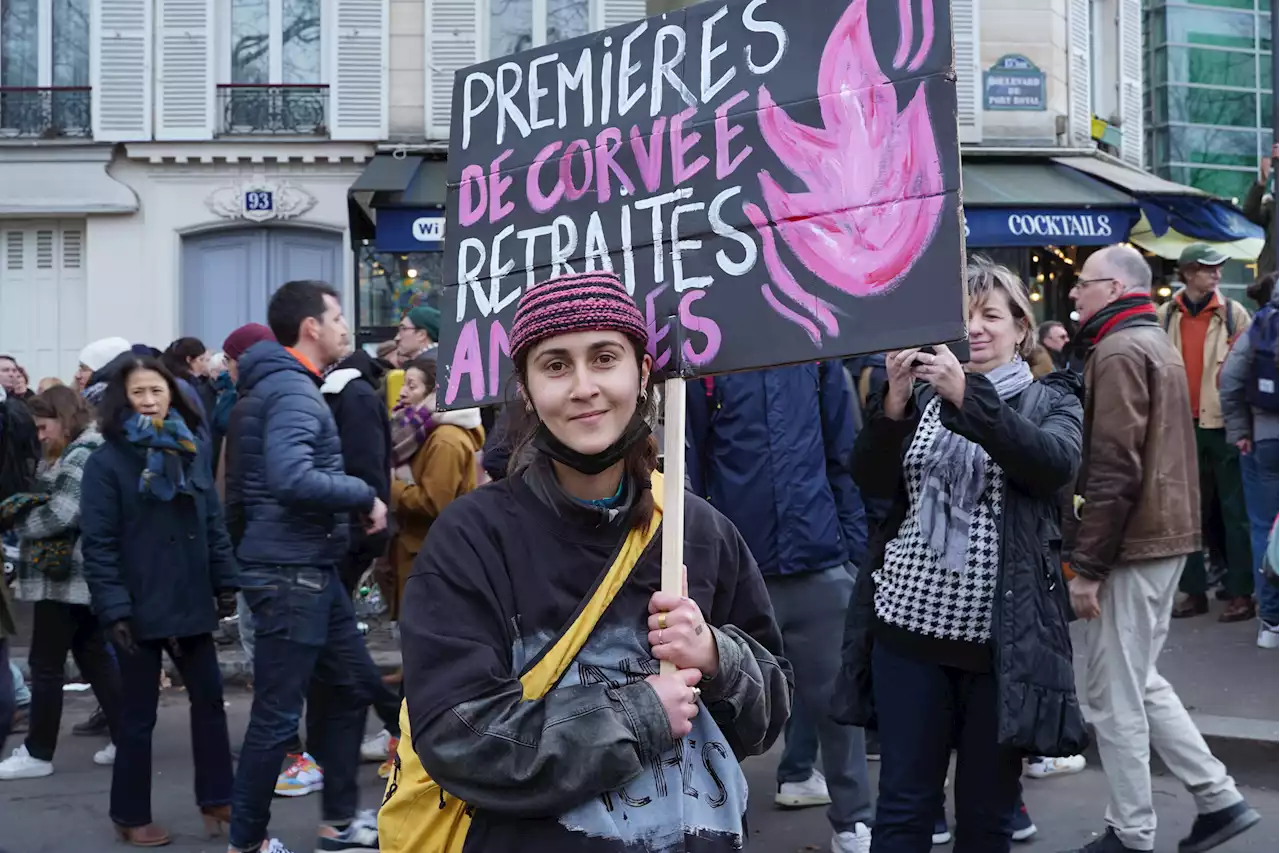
[(548, 669)]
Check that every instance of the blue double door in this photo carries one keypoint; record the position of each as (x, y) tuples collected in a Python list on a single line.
[(228, 276)]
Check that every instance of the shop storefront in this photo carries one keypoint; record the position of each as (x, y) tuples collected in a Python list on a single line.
[(1041, 219), (397, 214), (1043, 216)]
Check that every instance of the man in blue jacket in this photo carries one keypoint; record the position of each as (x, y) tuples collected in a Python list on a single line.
[(296, 501), (770, 449)]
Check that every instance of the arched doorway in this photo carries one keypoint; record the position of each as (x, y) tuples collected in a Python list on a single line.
[(229, 276)]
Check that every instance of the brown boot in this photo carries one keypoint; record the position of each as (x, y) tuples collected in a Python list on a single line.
[(1239, 609), (1192, 604), (151, 835), (217, 819)]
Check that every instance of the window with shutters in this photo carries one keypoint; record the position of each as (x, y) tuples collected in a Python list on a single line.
[(516, 25), (274, 77), (44, 69)]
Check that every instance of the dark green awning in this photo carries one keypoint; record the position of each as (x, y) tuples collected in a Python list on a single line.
[(1034, 183)]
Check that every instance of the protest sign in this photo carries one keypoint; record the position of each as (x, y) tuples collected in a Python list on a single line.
[(775, 181)]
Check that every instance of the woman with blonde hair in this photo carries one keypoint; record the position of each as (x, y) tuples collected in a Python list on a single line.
[(957, 636)]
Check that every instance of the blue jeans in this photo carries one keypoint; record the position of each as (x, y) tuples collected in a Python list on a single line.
[(7, 703), (197, 661), (926, 710), (307, 649), (21, 692), (1259, 474)]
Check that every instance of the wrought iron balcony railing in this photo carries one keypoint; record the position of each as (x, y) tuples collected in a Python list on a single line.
[(54, 112), (254, 108)]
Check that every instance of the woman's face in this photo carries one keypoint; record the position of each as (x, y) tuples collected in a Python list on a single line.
[(584, 387), (20, 384), (199, 365), (994, 332), (51, 433), (414, 391), (148, 393), (83, 375)]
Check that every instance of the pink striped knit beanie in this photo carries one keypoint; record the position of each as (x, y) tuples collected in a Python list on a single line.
[(577, 302)]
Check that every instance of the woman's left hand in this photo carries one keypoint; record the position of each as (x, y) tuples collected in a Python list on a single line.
[(679, 634), (943, 371)]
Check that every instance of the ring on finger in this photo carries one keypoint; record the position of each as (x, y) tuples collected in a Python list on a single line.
[(662, 621), (660, 633), (697, 693)]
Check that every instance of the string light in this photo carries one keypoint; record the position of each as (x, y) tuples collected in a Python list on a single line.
[(1165, 291), (1036, 296), (412, 273)]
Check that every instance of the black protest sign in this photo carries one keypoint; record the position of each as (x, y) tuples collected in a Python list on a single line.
[(775, 181)]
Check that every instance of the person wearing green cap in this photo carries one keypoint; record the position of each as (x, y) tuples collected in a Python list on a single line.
[(1202, 323), (419, 331)]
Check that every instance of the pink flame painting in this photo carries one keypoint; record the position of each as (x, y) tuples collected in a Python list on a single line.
[(873, 177)]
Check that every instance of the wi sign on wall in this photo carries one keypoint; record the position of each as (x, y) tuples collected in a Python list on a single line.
[(775, 181)]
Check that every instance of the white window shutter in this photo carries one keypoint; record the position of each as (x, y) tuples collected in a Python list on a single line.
[(185, 78), (1130, 95), (358, 83), (1080, 75), (618, 12), (965, 26), (453, 42), (120, 69)]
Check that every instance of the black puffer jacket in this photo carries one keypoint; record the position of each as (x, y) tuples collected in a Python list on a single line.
[(1035, 438)]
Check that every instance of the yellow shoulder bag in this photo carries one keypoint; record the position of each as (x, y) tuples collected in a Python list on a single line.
[(416, 817)]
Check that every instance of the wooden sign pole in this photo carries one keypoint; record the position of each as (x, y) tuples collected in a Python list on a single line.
[(673, 492)]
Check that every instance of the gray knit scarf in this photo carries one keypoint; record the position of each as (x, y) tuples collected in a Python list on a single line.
[(954, 476)]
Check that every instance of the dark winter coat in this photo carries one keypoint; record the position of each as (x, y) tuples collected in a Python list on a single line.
[(293, 490), (156, 563), (770, 449), (1036, 440), (351, 390)]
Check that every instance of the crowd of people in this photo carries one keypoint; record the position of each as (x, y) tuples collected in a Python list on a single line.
[(883, 557)]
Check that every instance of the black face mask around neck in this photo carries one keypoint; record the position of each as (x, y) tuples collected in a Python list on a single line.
[(591, 463)]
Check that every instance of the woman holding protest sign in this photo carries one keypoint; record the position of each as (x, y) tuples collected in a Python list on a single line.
[(957, 638), (533, 628)]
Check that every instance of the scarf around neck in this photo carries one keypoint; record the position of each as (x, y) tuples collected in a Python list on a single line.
[(169, 446), (954, 475), (1134, 310), (410, 426)]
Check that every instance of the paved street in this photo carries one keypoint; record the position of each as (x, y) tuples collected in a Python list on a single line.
[(67, 812)]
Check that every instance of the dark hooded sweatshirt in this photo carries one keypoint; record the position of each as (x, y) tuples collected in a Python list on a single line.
[(592, 767)]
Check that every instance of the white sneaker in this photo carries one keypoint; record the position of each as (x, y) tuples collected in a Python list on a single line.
[(106, 756), (360, 837), (1045, 767), (802, 795), (273, 845), (858, 841), (375, 747), (20, 765), (1268, 636)]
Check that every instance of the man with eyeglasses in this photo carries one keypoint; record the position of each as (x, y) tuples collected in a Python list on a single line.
[(1202, 323), (419, 330), (1135, 520)]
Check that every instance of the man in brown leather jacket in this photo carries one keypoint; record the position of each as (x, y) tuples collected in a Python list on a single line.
[(1138, 517)]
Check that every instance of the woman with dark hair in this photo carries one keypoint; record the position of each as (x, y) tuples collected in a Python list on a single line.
[(157, 556), (533, 736), (188, 360), (51, 574), (433, 459)]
